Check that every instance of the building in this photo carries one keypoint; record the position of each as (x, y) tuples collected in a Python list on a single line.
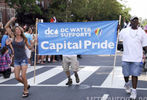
[(5, 12)]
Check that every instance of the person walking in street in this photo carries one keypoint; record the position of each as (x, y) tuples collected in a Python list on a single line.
[(70, 60), (20, 58), (145, 29), (134, 41)]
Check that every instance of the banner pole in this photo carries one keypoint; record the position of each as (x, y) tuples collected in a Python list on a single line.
[(36, 37), (114, 63)]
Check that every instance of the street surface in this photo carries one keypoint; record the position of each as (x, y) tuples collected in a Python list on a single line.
[(98, 81)]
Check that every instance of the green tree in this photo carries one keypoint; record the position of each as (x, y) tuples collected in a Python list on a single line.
[(58, 8), (144, 22), (74, 10), (94, 10), (25, 7)]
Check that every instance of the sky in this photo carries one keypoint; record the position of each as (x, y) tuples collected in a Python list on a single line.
[(138, 7)]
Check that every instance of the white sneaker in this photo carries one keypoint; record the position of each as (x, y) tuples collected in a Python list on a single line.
[(133, 95), (127, 88)]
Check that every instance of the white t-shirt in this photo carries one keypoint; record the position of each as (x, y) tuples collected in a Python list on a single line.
[(133, 41)]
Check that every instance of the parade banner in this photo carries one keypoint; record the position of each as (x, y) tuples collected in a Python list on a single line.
[(70, 38)]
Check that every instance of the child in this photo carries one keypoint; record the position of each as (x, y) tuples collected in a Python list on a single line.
[(5, 62)]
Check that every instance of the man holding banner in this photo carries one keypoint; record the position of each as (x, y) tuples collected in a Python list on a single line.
[(70, 60), (134, 40)]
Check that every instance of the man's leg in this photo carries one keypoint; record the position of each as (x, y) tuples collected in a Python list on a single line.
[(136, 70), (134, 81), (126, 73), (134, 85), (127, 85), (75, 67), (69, 82), (65, 65), (126, 79), (68, 74), (77, 77)]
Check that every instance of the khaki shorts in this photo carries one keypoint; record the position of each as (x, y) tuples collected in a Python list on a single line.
[(70, 61)]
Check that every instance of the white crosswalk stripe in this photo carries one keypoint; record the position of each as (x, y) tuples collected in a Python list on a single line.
[(114, 79), (30, 69), (84, 73), (44, 76)]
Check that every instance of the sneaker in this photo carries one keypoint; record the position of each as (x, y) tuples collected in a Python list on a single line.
[(69, 82), (133, 95), (127, 88)]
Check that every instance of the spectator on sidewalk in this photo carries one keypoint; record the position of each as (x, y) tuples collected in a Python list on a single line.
[(5, 62), (29, 37), (6, 41), (145, 29)]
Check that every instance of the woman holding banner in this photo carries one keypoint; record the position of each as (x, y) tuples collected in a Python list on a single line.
[(20, 58)]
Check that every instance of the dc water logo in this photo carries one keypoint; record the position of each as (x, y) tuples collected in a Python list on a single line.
[(51, 32)]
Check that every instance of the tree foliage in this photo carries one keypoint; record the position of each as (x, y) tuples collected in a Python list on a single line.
[(144, 22), (90, 10), (26, 6), (25, 9), (74, 10)]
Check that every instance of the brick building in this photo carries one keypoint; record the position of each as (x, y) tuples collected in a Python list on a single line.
[(5, 12)]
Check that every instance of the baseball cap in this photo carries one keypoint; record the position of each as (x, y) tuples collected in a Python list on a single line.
[(145, 28), (133, 17)]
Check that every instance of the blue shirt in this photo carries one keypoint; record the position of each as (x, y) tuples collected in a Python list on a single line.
[(3, 41), (29, 37)]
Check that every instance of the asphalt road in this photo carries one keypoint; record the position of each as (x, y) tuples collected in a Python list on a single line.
[(98, 81)]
